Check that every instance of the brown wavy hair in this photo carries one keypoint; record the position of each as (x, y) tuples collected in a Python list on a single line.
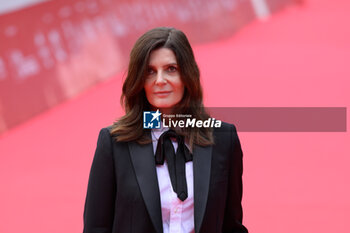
[(130, 126)]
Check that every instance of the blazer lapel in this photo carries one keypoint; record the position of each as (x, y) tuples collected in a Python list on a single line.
[(201, 170), (143, 160)]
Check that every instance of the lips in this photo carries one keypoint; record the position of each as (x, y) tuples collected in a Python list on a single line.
[(162, 93)]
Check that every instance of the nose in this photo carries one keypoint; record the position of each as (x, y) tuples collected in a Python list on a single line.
[(160, 79)]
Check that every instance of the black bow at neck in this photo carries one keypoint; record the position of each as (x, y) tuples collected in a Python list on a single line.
[(176, 161)]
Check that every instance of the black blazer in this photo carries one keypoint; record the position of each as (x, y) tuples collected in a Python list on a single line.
[(123, 193)]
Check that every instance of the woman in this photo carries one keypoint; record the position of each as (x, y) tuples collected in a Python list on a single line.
[(191, 181)]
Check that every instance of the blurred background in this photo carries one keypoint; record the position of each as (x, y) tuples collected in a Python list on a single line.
[(62, 64)]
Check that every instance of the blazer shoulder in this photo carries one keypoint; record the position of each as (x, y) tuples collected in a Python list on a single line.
[(105, 133), (106, 130), (109, 128)]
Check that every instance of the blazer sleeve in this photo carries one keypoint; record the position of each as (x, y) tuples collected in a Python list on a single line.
[(233, 213), (100, 197)]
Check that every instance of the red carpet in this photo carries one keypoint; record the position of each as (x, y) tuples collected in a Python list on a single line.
[(293, 182)]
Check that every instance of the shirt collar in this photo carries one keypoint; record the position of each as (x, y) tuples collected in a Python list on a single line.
[(157, 132)]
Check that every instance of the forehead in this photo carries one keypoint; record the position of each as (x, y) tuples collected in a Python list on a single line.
[(162, 56)]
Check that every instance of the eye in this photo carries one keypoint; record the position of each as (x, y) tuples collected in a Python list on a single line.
[(150, 71), (172, 69)]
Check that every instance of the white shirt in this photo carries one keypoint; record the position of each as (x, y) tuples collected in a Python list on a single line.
[(177, 215)]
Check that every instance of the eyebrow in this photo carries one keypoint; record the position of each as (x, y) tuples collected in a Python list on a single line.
[(170, 64)]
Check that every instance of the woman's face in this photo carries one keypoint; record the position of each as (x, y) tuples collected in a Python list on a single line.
[(163, 85)]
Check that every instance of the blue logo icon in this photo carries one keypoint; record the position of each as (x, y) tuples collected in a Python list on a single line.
[(151, 119)]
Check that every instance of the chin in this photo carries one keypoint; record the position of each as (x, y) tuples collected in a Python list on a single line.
[(162, 105)]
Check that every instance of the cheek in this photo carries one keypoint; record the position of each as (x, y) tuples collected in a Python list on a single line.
[(148, 89), (180, 88), (180, 92)]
